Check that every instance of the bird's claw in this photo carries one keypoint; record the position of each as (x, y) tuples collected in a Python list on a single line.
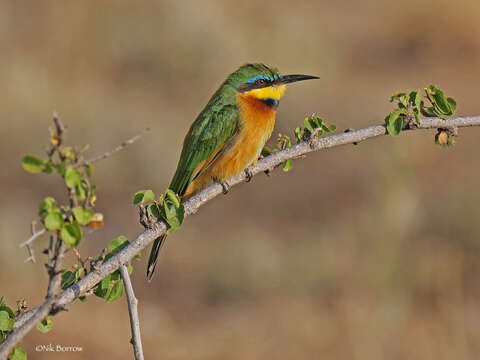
[(248, 174), (225, 187)]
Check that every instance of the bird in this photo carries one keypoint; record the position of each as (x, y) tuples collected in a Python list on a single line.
[(229, 134)]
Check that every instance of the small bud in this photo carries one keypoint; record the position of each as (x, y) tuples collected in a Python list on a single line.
[(55, 140), (93, 199), (97, 221), (441, 138)]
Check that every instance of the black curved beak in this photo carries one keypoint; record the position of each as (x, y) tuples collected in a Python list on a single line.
[(286, 79)]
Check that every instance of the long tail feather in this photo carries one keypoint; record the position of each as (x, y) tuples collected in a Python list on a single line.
[(152, 260)]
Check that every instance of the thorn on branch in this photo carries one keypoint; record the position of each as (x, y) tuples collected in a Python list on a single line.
[(35, 234), (350, 130), (95, 263), (57, 308)]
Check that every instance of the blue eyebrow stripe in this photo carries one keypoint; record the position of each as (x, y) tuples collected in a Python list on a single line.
[(255, 78), (265, 77)]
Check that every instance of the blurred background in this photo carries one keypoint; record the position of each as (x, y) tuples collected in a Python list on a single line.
[(361, 252)]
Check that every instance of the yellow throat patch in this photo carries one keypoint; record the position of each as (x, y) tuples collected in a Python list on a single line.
[(274, 92)]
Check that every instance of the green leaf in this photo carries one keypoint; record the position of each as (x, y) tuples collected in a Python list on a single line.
[(416, 113), (397, 96), (6, 322), (173, 217), (299, 134), (317, 122), (82, 215), (394, 122), (153, 210), (453, 105), (8, 309), (18, 353), (49, 168), (68, 278), (81, 191), (117, 244), (69, 153), (266, 151), (72, 177), (71, 234), (54, 220), (143, 196), (45, 325), (47, 205), (62, 168), (415, 98), (441, 102), (173, 197), (33, 164), (4, 307), (287, 165), (116, 292), (332, 128), (89, 170), (308, 124), (110, 288)]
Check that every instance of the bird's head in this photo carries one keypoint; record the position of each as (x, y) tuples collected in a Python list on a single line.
[(263, 82)]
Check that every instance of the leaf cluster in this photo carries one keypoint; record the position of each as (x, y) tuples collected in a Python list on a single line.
[(111, 287), (7, 321), (66, 220), (410, 106), (313, 125), (168, 208)]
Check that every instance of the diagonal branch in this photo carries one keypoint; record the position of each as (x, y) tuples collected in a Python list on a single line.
[(136, 340), (194, 203), (49, 306)]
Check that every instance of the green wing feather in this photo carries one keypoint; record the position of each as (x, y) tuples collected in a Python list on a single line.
[(214, 128)]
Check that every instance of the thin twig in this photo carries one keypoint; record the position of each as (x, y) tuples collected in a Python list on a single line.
[(31, 252), (132, 301), (35, 235), (195, 202), (118, 148)]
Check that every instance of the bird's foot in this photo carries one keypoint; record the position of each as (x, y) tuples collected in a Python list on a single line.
[(248, 174), (225, 187)]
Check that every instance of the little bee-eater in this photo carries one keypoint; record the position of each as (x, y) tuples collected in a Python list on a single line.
[(229, 134)]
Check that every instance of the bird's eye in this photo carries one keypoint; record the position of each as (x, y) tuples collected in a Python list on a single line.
[(260, 81)]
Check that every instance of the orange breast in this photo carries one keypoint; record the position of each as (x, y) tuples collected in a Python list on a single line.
[(257, 122)]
